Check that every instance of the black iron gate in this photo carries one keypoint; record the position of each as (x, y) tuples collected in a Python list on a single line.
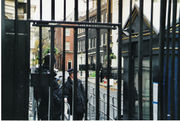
[(15, 70)]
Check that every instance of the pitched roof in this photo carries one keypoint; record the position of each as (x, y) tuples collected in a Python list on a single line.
[(156, 14)]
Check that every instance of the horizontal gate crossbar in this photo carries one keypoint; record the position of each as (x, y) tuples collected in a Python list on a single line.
[(77, 26), (74, 22)]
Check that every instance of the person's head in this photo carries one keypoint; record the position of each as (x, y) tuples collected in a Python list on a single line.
[(71, 73), (58, 81), (46, 63)]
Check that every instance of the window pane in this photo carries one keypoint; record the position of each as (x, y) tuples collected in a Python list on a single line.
[(67, 32), (105, 40), (89, 43), (102, 39), (67, 45)]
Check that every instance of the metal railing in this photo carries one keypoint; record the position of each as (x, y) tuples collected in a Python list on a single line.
[(159, 45), (103, 102)]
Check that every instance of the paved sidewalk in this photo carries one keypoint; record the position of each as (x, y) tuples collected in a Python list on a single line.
[(92, 80), (102, 84)]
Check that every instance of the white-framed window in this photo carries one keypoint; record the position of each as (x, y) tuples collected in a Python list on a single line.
[(78, 46), (105, 17), (102, 18), (92, 42), (95, 39), (78, 31), (105, 39), (67, 45), (102, 58), (67, 31), (102, 39), (83, 45), (89, 43)]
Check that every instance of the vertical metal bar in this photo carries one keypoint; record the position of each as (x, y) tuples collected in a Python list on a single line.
[(75, 58), (98, 58), (3, 23), (140, 58), (14, 56), (51, 61), (178, 87), (40, 9), (28, 9), (28, 54), (161, 56), (64, 56), (150, 64), (86, 49), (53, 10), (51, 71), (167, 61), (120, 5), (40, 47), (3, 37), (40, 39), (130, 68), (3, 60), (109, 60), (173, 60), (40, 42)]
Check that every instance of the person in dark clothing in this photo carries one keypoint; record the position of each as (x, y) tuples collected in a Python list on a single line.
[(57, 101), (43, 93), (80, 96), (42, 89), (46, 64)]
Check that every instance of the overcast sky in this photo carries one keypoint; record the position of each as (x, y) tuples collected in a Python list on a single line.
[(59, 8)]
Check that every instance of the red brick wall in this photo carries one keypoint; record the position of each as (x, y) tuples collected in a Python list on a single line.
[(59, 45)]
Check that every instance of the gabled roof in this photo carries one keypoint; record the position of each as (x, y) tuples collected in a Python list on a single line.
[(135, 23), (147, 14), (156, 14)]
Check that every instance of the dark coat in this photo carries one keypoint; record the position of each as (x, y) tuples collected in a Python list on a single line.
[(57, 101), (80, 96)]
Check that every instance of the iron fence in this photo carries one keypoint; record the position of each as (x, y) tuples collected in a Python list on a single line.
[(161, 47)]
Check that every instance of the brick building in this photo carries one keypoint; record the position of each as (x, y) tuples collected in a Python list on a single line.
[(69, 48)]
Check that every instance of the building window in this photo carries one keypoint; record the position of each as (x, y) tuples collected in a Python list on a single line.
[(78, 31), (95, 20), (67, 45), (92, 61), (105, 39), (67, 32), (102, 18), (102, 58), (102, 39), (80, 42), (105, 17), (89, 43), (79, 46), (92, 42), (83, 45), (95, 42), (69, 64)]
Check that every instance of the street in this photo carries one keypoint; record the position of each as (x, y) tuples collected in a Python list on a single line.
[(103, 98), (91, 100)]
